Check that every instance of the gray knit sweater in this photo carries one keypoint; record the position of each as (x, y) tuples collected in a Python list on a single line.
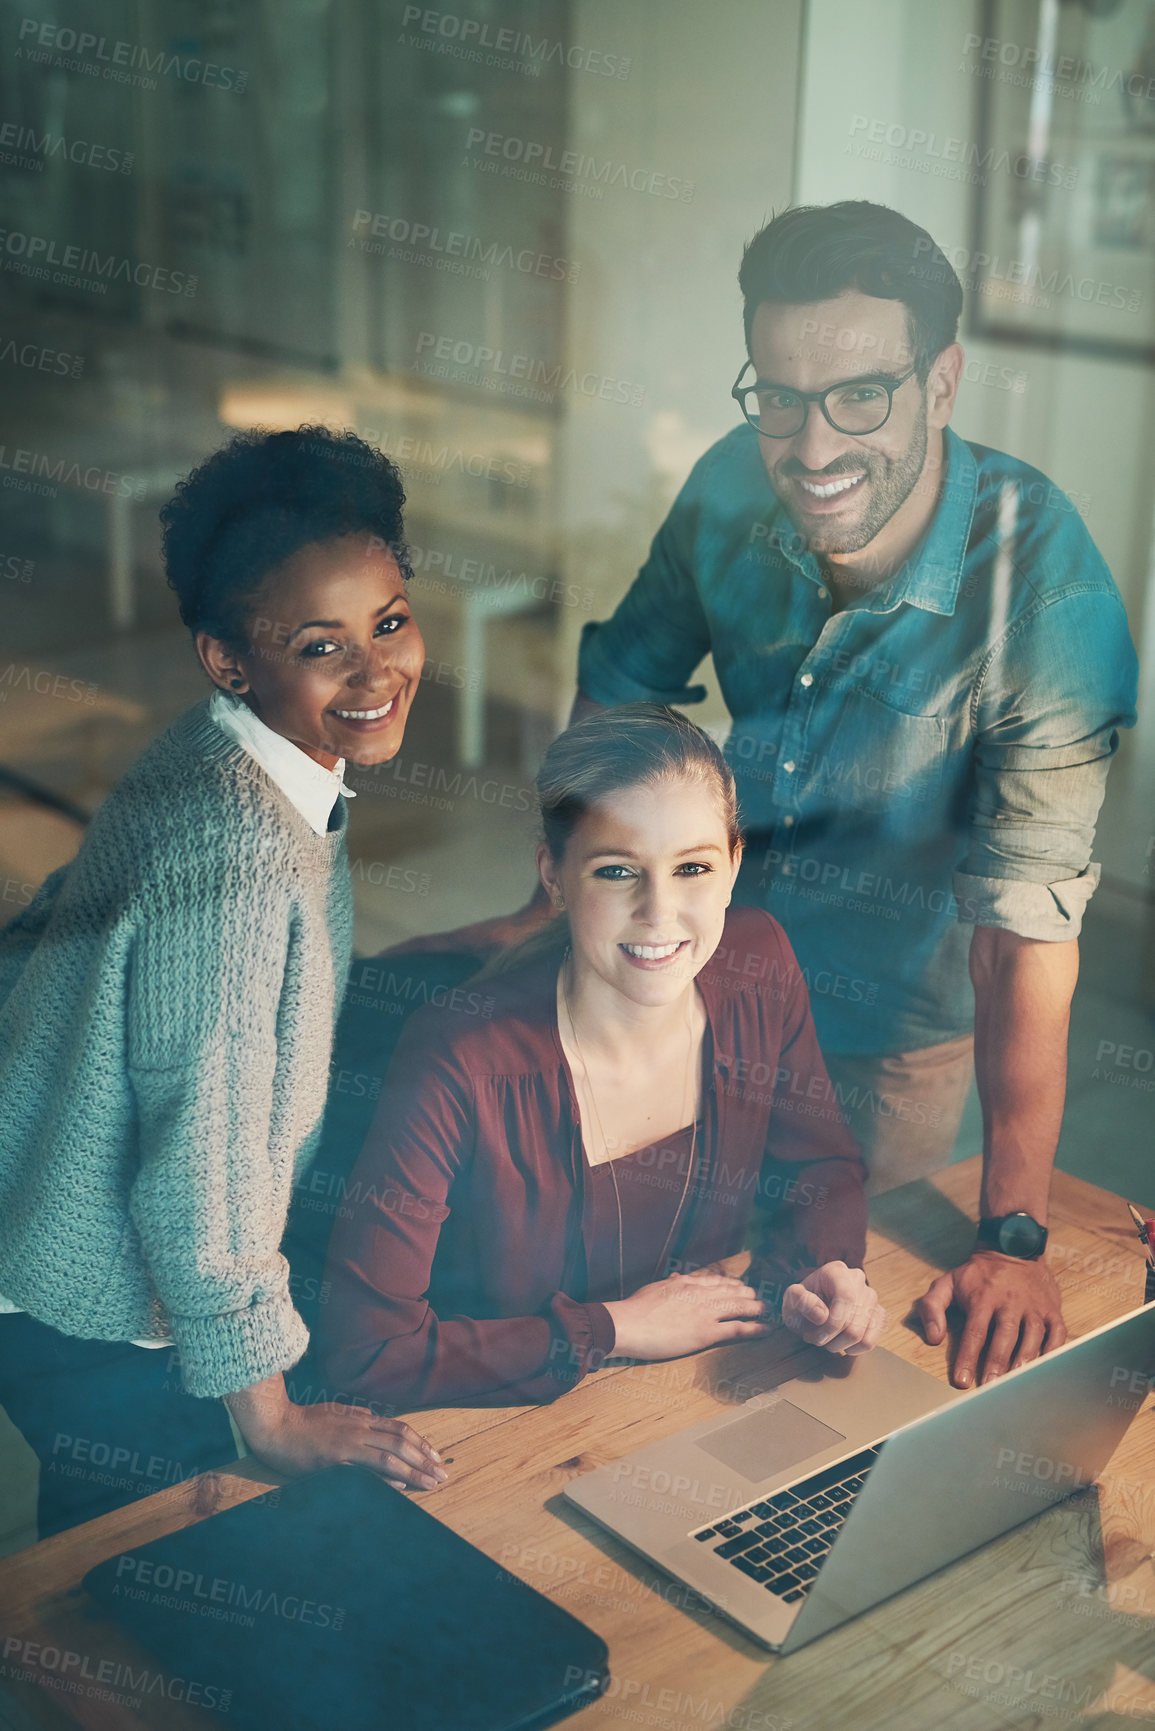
[(167, 1008)]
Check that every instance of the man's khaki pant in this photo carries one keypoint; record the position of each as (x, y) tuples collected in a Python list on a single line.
[(904, 1108)]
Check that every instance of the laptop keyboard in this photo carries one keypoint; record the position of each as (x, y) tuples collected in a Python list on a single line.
[(782, 1541)]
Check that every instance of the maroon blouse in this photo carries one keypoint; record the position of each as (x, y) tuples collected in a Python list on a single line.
[(644, 1194), (472, 1253)]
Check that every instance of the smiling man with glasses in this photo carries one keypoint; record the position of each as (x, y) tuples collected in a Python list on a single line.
[(926, 661)]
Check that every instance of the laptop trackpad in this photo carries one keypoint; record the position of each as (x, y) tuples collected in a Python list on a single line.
[(769, 1441)]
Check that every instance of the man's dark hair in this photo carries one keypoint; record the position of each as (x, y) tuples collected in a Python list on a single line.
[(256, 502), (815, 252)]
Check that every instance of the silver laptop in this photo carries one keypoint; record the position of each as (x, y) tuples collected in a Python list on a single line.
[(832, 1491)]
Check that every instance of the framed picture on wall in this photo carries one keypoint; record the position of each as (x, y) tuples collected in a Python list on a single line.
[(1063, 216)]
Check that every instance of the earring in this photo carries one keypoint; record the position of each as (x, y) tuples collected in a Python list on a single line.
[(559, 902), (236, 683)]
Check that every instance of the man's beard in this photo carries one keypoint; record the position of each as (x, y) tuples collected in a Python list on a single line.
[(891, 481)]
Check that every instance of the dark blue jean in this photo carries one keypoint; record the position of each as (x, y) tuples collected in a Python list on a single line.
[(109, 1422)]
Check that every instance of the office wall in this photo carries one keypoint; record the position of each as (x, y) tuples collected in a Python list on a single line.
[(710, 105)]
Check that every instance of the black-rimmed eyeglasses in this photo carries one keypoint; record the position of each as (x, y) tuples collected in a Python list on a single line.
[(854, 406)]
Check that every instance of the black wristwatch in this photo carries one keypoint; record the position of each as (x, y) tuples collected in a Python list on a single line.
[(1013, 1234)]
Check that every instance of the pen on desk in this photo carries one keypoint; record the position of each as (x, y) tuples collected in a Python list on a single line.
[(1146, 1233)]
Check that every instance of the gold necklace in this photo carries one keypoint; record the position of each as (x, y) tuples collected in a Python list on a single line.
[(605, 1141)]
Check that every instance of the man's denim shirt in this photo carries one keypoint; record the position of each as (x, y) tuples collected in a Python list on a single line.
[(932, 757)]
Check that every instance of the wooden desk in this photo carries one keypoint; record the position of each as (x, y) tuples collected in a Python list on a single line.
[(1053, 1622)]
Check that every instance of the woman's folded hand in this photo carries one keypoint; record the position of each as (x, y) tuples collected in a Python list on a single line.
[(833, 1307)]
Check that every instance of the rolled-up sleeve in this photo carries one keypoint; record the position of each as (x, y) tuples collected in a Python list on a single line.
[(659, 633), (1046, 714)]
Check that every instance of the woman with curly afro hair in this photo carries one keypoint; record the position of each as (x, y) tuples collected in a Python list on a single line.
[(168, 1002)]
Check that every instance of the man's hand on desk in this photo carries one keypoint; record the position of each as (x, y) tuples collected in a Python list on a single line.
[(833, 1307), (1013, 1309)]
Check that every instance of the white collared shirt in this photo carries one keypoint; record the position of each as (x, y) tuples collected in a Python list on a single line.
[(311, 787)]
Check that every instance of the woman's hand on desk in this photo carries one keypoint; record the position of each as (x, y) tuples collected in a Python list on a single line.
[(835, 1308), (685, 1313), (302, 1439)]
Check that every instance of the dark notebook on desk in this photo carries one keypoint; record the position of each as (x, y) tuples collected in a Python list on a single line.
[(336, 1601)]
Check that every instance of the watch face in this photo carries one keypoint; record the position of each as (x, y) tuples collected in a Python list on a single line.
[(1020, 1235)]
